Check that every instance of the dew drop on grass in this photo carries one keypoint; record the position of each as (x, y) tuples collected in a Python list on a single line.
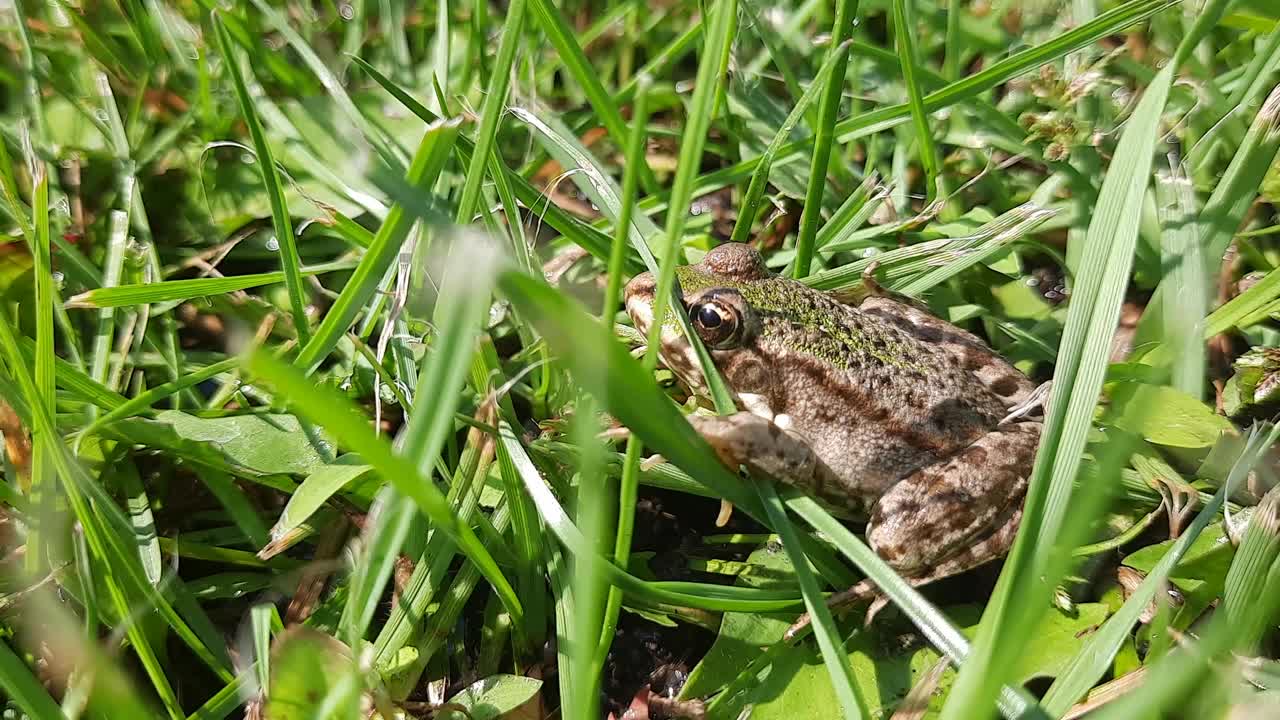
[(346, 11), (273, 244), (59, 280), (248, 158)]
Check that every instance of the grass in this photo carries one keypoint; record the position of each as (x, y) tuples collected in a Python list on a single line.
[(311, 325)]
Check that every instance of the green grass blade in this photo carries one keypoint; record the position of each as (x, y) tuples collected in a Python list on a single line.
[(1095, 659), (1033, 563), (749, 206), (386, 529), (428, 162), (628, 484), (289, 261), (243, 512), (333, 412), (328, 80), (687, 594), (110, 278), (495, 106), (712, 66), (934, 625), (823, 137), (824, 626), (138, 506), (591, 179), (954, 42), (74, 380), (904, 28), (451, 606), (180, 290), (582, 234), (1230, 201), (971, 87), (576, 63), (43, 478), (1077, 380), (466, 285), (1248, 577), (985, 241), (105, 526), (1180, 252), (431, 571), (260, 633), (143, 401)]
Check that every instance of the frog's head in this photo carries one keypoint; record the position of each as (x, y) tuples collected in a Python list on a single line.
[(717, 294)]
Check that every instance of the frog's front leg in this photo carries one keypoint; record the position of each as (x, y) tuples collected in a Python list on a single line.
[(768, 448), (958, 513)]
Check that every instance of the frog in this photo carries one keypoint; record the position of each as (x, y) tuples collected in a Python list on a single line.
[(878, 409)]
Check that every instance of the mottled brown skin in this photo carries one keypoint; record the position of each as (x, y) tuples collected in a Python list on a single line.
[(881, 410)]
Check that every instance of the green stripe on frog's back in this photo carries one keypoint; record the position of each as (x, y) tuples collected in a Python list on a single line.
[(840, 343)]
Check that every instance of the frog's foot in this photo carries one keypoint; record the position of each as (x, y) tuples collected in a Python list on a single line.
[(1179, 500), (873, 286), (1037, 402), (726, 512), (842, 601), (874, 289)]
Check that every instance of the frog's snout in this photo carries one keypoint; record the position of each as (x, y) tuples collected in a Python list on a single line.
[(638, 299)]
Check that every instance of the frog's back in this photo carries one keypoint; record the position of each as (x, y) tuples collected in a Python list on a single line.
[(877, 399)]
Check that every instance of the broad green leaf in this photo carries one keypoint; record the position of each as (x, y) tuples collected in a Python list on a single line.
[(312, 493), (266, 444), (743, 636), (1182, 422), (491, 698), (796, 686), (310, 671)]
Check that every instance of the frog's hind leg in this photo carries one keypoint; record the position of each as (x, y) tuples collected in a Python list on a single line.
[(947, 518), (991, 547), (959, 513)]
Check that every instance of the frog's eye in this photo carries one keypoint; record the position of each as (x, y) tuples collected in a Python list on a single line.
[(717, 323)]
